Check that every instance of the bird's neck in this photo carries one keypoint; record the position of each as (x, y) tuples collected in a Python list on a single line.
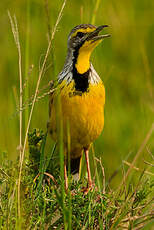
[(80, 70), (82, 59), (83, 62)]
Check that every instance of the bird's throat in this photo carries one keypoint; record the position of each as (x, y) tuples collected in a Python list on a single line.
[(81, 67), (83, 56), (83, 62)]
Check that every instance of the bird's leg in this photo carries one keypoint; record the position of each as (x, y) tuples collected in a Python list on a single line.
[(88, 168), (65, 176)]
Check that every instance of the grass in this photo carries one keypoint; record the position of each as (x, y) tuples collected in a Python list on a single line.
[(123, 195), (45, 205)]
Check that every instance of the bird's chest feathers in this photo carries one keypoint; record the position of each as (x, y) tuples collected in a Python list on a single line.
[(85, 111)]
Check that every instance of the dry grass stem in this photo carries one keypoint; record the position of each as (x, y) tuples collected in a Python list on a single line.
[(15, 32), (46, 6), (29, 101), (148, 163), (10, 202), (14, 27), (95, 12), (136, 217), (34, 100), (150, 153), (28, 75), (81, 14), (138, 153), (103, 172), (137, 169), (146, 69)]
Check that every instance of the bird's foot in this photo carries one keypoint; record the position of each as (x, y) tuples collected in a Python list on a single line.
[(90, 187)]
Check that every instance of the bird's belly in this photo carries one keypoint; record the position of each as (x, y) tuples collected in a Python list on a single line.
[(84, 115)]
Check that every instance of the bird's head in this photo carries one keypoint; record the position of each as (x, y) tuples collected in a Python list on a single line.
[(82, 40)]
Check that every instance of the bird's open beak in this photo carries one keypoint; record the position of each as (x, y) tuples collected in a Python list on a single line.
[(94, 36)]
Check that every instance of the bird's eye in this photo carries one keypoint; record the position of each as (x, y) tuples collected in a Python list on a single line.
[(80, 34)]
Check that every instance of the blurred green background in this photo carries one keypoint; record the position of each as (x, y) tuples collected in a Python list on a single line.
[(124, 62)]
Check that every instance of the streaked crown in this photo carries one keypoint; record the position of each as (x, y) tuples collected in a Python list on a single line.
[(79, 34)]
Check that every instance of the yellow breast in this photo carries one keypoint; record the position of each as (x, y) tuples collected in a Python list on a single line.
[(84, 113)]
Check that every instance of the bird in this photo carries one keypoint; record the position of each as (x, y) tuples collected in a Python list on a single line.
[(81, 94)]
